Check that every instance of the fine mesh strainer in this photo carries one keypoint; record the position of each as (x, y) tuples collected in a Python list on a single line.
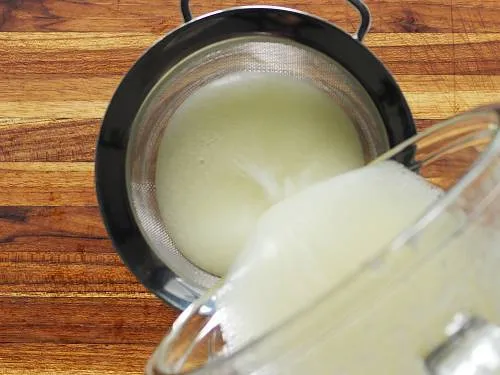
[(267, 40)]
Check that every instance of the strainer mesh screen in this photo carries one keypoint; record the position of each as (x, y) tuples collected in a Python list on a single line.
[(245, 54)]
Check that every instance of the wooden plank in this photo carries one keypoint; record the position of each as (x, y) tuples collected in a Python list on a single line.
[(406, 39), (477, 53), (476, 16), (387, 15), (74, 359), (476, 90), (89, 41), (431, 96), (74, 140), (40, 102), (53, 87), (53, 53), (105, 41), (440, 83), (430, 53), (396, 16), (426, 53), (60, 251), (50, 222), (61, 140), (477, 83), (66, 279), (424, 124), (427, 101), (48, 140), (72, 183), (84, 320), (93, 15), (80, 109), (76, 53), (440, 97), (95, 62), (57, 249), (160, 16), (50, 184), (438, 105)]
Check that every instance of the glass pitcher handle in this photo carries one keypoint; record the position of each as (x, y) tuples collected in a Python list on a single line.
[(359, 5), (473, 348)]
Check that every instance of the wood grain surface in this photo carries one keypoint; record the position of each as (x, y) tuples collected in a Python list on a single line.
[(67, 303)]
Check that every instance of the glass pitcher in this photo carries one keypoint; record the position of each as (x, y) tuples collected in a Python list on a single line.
[(447, 325)]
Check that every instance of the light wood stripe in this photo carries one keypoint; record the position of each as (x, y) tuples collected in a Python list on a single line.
[(439, 105), (26, 42), (430, 96), (40, 87), (37, 87), (34, 88), (23, 42), (37, 167), (50, 184), (430, 105), (80, 109)]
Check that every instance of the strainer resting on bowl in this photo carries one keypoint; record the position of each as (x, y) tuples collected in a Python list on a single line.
[(260, 39)]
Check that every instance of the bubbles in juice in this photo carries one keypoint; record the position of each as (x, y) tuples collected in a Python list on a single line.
[(239, 145)]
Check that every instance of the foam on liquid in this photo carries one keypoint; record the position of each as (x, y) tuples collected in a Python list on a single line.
[(236, 147), (384, 322)]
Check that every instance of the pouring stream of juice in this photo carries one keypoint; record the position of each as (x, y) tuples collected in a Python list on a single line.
[(245, 142)]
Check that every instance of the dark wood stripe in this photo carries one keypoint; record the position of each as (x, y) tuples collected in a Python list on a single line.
[(160, 16), (51, 358), (84, 320)]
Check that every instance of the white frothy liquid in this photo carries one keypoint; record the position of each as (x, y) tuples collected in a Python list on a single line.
[(386, 319), (236, 147)]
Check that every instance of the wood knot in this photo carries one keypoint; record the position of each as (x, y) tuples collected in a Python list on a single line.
[(410, 22)]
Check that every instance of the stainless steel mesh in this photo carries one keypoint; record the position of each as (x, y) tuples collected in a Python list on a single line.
[(248, 54)]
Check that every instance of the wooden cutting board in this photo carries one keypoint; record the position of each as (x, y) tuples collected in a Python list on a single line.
[(67, 303)]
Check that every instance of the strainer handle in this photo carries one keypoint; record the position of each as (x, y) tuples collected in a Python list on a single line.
[(359, 5)]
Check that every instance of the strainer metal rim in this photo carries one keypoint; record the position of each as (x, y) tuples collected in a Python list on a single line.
[(112, 145)]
